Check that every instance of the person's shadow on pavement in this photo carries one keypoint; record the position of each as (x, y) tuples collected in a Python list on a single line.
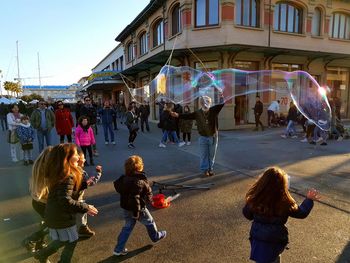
[(113, 259)]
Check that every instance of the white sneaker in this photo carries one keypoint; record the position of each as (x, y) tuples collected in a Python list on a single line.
[(113, 142), (340, 138), (304, 140), (188, 143), (162, 145), (15, 160), (181, 144), (284, 136), (294, 137), (319, 140), (106, 143)]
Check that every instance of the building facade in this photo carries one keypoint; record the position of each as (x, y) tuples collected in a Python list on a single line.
[(308, 35), (52, 93), (105, 83)]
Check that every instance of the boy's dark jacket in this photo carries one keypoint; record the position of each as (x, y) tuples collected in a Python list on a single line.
[(135, 190)]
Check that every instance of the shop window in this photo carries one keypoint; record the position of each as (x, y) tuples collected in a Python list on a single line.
[(130, 51), (316, 22), (143, 44), (248, 13), (207, 13), (340, 26), (286, 67), (158, 33), (176, 20), (288, 18)]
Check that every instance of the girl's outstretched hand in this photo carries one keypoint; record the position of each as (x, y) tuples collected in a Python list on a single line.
[(92, 210), (313, 194)]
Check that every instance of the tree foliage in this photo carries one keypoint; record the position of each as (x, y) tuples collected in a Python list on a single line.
[(31, 97), (13, 87)]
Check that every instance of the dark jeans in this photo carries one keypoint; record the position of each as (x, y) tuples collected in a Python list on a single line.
[(270, 117), (108, 127), (54, 246), (69, 138), (41, 135), (310, 130), (3, 120), (144, 121), (88, 149), (115, 123), (258, 121), (132, 136), (188, 134)]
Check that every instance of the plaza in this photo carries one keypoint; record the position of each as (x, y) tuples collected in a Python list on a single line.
[(202, 225)]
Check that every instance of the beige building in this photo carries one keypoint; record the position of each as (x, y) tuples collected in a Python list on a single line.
[(309, 35), (104, 82)]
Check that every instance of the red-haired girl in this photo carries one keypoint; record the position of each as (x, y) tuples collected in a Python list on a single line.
[(269, 204)]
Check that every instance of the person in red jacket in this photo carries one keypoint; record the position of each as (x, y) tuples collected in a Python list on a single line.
[(64, 122)]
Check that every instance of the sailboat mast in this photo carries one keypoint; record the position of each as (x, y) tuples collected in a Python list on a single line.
[(39, 71), (18, 75)]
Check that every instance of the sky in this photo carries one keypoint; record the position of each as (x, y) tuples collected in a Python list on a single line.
[(71, 37)]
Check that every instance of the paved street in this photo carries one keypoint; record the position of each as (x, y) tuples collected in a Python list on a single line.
[(202, 225)]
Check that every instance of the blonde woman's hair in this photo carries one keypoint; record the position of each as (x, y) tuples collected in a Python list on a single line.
[(133, 164), (37, 183), (58, 166)]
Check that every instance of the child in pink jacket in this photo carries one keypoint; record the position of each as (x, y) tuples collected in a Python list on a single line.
[(84, 137)]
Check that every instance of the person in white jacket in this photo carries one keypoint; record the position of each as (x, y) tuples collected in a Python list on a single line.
[(13, 121), (271, 111)]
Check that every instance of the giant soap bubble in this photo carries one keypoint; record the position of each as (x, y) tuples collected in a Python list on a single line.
[(184, 85)]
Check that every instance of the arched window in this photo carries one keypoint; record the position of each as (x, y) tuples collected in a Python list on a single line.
[(130, 51), (248, 13), (158, 33), (143, 43), (288, 18), (176, 20), (316, 22), (340, 26), (207, 13)]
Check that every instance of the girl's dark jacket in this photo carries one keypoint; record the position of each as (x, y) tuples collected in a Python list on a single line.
[(270, 234), (135, 191), (62, 205)]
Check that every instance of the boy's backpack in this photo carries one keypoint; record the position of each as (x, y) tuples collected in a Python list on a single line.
[(118, 184)]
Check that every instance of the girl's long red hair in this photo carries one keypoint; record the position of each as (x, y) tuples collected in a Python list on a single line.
[(269, 195), (58, 166)]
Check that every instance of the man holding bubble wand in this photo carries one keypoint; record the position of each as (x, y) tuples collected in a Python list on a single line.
[(207, 124)]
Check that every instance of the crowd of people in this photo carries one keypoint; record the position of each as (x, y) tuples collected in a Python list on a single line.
[(59, 180), (312, 133)]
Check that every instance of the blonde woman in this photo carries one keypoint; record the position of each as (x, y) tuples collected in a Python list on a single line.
[(39, 192), (64, 181)]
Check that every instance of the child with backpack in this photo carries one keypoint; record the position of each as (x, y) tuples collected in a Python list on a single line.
[(25, 133), (85, 138), (269, 204), (135, 191)]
